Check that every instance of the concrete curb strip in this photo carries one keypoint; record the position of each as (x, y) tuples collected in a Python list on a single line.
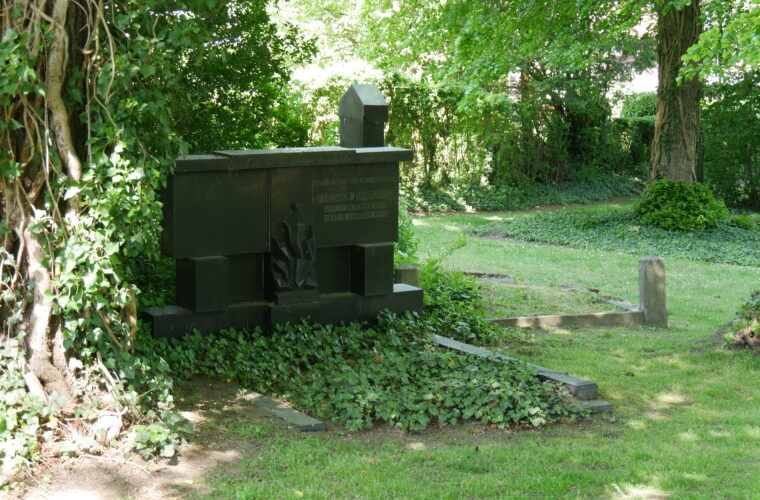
[(585, 391)]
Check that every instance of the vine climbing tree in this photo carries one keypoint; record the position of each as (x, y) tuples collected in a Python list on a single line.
[(39, 127), (75, 181), (95, 97)]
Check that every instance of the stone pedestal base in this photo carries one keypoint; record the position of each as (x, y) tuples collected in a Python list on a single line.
[(175, 321)]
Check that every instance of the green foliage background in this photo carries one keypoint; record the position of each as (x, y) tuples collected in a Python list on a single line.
[(731, 128)]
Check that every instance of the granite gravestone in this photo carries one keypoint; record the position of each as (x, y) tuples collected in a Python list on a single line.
[(264, 237)]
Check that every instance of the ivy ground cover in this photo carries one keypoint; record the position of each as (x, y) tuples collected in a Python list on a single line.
[(616, 229)]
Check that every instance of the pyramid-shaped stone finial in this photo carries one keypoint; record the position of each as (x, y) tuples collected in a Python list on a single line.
[(363, 113)]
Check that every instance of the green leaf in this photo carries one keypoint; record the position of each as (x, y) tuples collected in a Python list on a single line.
[(71, 192), (168, 451), (90, 279), (8, 35)]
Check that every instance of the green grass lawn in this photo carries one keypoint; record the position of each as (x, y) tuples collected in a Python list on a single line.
[(503, 300), (686, 422)]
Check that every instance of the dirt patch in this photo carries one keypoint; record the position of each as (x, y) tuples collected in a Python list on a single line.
[(213, 407), (496, 278), (497, 236)]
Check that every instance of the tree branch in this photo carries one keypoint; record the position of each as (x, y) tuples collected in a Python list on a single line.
[(59, 119)]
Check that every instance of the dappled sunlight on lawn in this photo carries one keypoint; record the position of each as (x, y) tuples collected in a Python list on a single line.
[(663, 402), (637, 492), (654, 415), (668, 399), (642, 367), (720, 434), (617, 396), (696, 477), (416, 446), (752, 432), (637, 425), (688, 436), (674, 361)]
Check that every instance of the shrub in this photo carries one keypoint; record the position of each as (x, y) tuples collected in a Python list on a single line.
[(635, 136), (639, 105), (744, 222), (357, 375), (678, 206), (731, 129), (407, 244)]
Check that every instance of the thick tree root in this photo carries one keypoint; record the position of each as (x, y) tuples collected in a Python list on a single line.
[(52, 380)]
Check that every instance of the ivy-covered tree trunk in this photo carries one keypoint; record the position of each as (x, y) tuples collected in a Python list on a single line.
[(675, 149), (40, 152), (60, 274)]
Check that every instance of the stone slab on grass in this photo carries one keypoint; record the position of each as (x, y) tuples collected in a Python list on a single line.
[(582, 389), (596, 406), (301, 421)]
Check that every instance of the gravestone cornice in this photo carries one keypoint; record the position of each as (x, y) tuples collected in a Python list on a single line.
[(290, 157)]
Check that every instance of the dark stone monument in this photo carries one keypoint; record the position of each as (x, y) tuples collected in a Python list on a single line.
[(264, 237)]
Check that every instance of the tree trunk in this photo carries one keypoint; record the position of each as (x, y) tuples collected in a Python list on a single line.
[(23, 206), (675, 149)]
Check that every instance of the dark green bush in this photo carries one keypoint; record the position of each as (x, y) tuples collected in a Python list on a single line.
[(640, 104), (678, 206), (744, 222), (731, 129), (635, 131), (635, 136)]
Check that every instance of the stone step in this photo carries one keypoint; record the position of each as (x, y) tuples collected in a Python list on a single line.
[(596, 406), (581, 389), (301, 421)]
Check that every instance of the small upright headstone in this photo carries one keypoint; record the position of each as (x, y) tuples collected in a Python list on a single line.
[(409, 274), (652, 290), (363, 113)]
